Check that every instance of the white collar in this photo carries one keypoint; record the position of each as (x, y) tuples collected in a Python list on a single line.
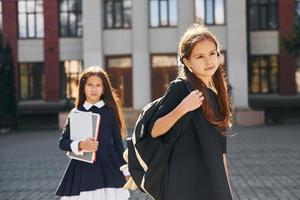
[(88, 105)]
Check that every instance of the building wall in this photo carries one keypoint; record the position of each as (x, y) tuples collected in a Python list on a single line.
[(70, 49), (264, 42), (141, 41), (237, 51), (36, 52)]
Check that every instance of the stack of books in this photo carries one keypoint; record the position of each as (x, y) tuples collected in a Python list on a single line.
[(84, 125)]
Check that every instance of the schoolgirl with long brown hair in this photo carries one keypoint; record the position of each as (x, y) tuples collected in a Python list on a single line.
[(103, 178), (197, 167)]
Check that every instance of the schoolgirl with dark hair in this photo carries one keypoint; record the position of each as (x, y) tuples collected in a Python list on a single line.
[(197, 167), (103, 178)]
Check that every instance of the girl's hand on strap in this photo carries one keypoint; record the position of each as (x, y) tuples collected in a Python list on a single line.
[(90, 145), (192, 101)]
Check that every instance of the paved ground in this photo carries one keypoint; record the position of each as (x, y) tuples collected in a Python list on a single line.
[(264, 163)]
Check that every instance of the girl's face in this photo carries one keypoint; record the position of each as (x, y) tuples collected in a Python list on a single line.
[(203, 61), (93, 89)]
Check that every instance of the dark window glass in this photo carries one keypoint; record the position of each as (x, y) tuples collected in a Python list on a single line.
[(119, 68), (264, 74), (263, 15), (30, 18), (210, 12), (32, 81), (163, 13), (70, 12), (70, 71), (163, 71), (117, 13)]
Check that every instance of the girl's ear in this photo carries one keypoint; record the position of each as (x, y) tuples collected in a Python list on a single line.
[(221, 59), (187, 63)]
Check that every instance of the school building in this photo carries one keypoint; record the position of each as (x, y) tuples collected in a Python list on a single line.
[(136, 42)]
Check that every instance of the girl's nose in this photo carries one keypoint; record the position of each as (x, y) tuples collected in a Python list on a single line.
[(207, 60), (94, 88)]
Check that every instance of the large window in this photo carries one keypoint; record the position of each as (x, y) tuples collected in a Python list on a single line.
[(1, 15), (70, 71), (32, 81), (70, 18), (263, 15), (210, 12), (30, 18), (119, 69), (163, 71), (117, 13), (163, 13), (264, 74)]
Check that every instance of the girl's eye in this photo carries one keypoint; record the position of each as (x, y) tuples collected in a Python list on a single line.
[(199, 57), (213, 53)]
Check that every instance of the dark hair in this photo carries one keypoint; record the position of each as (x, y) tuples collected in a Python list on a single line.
[(109, 95), (195, 34)]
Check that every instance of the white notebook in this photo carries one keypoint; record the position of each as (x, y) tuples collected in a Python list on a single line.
[(84, 125)]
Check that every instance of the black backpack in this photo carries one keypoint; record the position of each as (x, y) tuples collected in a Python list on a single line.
[(148, 157)]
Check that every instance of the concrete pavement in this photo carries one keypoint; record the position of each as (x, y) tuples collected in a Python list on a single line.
[(264, 163)]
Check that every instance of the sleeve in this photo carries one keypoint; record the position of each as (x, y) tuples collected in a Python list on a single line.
[(223, 143), (64, 142), (117, 139), (74, 147), (172, 97)]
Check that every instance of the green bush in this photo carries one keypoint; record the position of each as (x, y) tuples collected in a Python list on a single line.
[(8, 107)]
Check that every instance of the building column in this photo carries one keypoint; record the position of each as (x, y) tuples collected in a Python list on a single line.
[(10, 22), (287, 65), (141, 58), (186, 15), (237, 51), (92, 19), (51, 51)]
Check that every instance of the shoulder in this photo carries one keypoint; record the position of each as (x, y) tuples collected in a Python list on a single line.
[(179, 83), (178, 87)]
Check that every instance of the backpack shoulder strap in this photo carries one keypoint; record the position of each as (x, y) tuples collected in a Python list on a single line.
[(182, 123)]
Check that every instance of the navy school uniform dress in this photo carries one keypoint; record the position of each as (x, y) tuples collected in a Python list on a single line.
[(103, 178), (196, 169)]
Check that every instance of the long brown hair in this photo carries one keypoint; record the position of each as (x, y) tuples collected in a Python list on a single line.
[(223, 119), (109, 95)]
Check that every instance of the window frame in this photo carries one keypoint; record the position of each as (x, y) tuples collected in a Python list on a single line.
[(66, 86), (259, 22), (127, 100), (68, 12), (268, 68), (27, 19), (159, 15), (162, 54), (213, 14), (31, 94), (105, 24)]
